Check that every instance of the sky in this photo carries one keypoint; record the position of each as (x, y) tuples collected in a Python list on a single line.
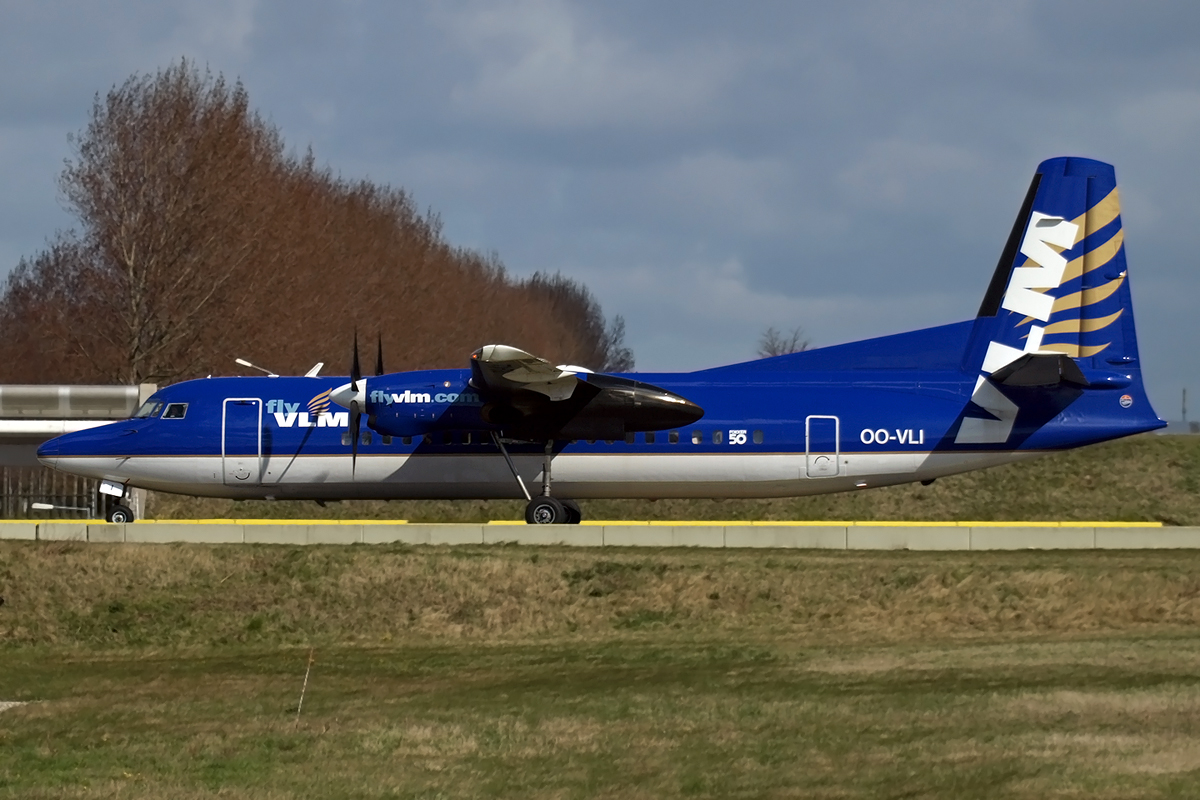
[(706, 169)]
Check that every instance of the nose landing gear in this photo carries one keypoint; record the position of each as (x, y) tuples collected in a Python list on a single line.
[(119, 513)]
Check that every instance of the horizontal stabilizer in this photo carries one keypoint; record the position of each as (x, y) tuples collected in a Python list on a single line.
[(1040, 369)]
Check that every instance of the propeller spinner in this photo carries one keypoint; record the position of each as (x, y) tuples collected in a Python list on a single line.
[(353, 396)]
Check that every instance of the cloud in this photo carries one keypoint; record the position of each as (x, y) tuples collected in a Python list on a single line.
[(718, 314), (1163, 120), (211, 30), (706, 169), (896, 173), (538, 63)]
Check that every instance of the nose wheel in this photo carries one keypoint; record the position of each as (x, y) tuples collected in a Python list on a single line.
[(120, 513)]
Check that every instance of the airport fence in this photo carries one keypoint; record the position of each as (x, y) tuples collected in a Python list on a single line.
[(41, 493)]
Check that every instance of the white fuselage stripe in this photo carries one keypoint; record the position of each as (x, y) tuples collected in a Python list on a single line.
[(487, 476)]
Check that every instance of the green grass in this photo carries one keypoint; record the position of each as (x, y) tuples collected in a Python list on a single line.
[(673, 717), (175, 671), (1143, 478)]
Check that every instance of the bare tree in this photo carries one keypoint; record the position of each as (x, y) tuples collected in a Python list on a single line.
[(201, 238), (619, 358), (161, 181), (595, 344), (775, 343)]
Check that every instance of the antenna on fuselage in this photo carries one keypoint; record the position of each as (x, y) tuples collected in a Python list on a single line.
[(246, 363)]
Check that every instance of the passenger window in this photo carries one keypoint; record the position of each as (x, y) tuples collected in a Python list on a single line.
[(386, 439), (467, 437), (448, 437), (629, 438), (175, 411), (718, 437), (649, 437), (697, 437), (673, 437), (427, 438), (758, 437), (149, 409), (366, 437), (406, 440), (345, 438)]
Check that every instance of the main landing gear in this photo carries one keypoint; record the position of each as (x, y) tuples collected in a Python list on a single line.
[(543, 509)]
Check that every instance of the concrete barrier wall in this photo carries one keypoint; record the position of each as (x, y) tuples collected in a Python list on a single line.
[(830, 536)]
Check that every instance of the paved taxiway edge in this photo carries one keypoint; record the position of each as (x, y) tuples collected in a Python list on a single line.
[(821, 536)]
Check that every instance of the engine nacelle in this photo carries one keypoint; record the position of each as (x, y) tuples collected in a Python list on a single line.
[(419, 407)]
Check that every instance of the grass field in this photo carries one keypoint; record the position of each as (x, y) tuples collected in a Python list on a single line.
[(175, 671), (1141, 479)]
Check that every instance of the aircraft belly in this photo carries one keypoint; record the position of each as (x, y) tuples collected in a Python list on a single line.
[(583, 476)]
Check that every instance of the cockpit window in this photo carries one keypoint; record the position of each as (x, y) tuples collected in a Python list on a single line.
[(175, 411), (149, 409)]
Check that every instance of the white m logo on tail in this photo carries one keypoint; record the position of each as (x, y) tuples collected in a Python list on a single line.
[(1042, 232)]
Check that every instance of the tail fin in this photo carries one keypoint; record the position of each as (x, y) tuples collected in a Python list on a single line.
[(1058, 309), (1061, 285)]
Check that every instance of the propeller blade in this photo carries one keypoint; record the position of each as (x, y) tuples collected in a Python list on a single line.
[(379, 356), (355, 414), (355, 369)]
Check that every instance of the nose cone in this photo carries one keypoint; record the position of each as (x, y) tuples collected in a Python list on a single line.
[(87, 451), (344, 395), (49, 452)]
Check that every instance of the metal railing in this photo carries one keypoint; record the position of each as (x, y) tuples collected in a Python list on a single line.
[(69, 402), (41, 493)]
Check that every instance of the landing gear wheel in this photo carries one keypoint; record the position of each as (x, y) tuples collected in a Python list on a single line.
[(545, 511), (120, 514), (574, 515)]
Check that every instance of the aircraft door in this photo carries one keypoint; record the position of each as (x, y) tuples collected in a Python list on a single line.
[(821, 447), (241, 440)]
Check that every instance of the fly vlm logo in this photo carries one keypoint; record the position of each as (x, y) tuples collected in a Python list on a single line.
[(1041, 236), (289, 415), (408, 396)]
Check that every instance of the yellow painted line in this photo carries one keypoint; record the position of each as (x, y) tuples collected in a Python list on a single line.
[(836, 522), (894, 524), (1003, 524), (261, 521), (321, 521), (184, 522), (629, 522)]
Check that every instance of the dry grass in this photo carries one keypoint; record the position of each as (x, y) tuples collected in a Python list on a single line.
[(68, 594), (1145, 478)]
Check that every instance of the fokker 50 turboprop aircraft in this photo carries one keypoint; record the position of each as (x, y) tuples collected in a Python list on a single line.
[(1050, 362)]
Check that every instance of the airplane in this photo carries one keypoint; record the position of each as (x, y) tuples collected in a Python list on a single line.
[(1050, 362)]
